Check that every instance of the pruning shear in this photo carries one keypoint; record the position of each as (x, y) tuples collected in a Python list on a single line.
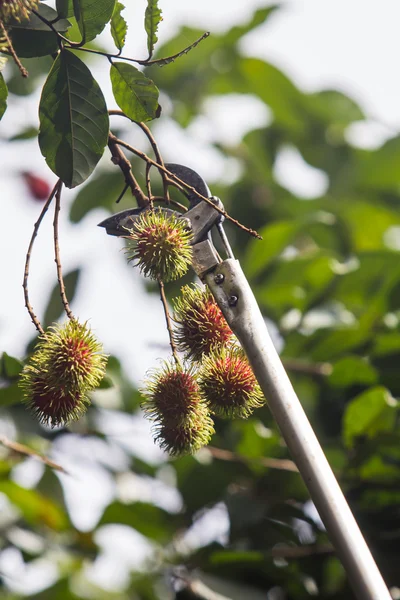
[(234, 296)]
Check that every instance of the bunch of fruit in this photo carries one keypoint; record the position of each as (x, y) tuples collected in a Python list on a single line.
[(210, 377)]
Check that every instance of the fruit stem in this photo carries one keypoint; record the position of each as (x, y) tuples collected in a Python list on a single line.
[(28, 305), (57, 258), (168, 322)]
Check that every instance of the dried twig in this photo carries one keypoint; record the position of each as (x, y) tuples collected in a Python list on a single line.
[(28, 305), (168, 322), (57, 259), (154, 145), (148, 186), (119, 158), (182, 183), (282, 464), (10, 49), (147, 63), (22, 449), (299, 366)]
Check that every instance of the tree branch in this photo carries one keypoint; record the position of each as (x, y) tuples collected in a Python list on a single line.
[(28, 305), (119, 158), (281, 464), (182, 183), (57, 259)]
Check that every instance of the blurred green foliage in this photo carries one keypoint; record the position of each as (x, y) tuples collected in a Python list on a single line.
[(326, 275)]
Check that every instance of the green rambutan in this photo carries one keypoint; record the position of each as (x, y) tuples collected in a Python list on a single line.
[(185, 436), (159, 243), (200, 324), (173, 402), (67, 363), (228, 384), (19, 10)]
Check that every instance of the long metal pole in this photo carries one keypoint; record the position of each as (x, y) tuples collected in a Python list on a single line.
[(236, 299)]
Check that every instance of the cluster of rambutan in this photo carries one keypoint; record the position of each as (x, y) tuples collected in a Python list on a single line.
[(66, 365), (216, 378)]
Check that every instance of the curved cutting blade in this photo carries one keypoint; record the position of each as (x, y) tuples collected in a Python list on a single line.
[(191, 178)]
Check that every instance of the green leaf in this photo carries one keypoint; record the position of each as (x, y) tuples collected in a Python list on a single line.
[(26, 134), (74, 120), (368, 414), (65, 8), (134, 93), (149, 520), (92, 16), (55, 307), (10, 367), (276, 237), (101, 191), (10, 395), (36, 508), (352, 370), (34, 38), (118, 26), (3, 96), (152, 18)]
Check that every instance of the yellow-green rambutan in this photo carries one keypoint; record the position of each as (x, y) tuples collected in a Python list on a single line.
[(200, 325), (187, 435), (67, 363), (18, 10), (228, 384), (172, 401), (159, 244)]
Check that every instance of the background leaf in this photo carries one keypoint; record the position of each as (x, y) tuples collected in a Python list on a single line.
[(65, 8), (73, 120), (92, 16), (55, 307), (134, 93), (118, 26), (3, 96), (152, 18), (34, 38), (369, 413)]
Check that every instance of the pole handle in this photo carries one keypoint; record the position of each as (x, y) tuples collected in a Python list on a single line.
[(239, 306)]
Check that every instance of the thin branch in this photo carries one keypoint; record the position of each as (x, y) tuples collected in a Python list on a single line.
[(298, 366), (122, 194), (10, 49), (293, 552), (25, 450), (60, 37), (281, 464), (57, 259), (148, 185), (158, 156), (182, 207), (147, 63), (168, 322), (188, 187), (28, 305), (119, 158), (154, 145)]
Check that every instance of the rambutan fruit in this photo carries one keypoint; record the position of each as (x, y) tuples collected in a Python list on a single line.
[(159, 243), (173, 402), (228, 384), (67, 363), (200, 324)]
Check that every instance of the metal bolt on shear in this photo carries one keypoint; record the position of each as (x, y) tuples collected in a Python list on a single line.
[(233, 294)]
